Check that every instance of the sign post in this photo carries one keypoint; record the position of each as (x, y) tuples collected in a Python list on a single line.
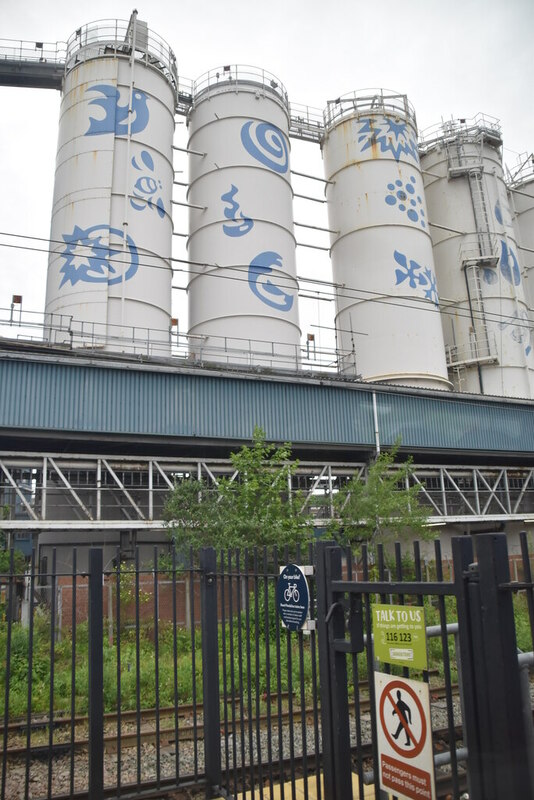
[(406, 762)]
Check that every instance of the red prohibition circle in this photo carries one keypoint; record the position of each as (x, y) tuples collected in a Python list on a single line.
[(386, 694)]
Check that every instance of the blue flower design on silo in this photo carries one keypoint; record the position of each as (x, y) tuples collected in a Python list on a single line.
[(241, 227), (417, 276), (509, 264), (116, 116), (390, 135), (88, 260), (264, 289), (431, 293), (146, 186), (267, 144)]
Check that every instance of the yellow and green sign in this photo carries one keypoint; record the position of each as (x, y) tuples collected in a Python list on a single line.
[(399, 635)]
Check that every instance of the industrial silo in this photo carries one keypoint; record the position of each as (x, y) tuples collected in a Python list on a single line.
[(521, 194), (485, 317), (109, 273), (242, 287), (388, 324)]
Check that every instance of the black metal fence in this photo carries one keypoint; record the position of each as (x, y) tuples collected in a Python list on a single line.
[(130, 680)]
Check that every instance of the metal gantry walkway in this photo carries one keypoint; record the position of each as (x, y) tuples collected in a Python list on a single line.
[(33, 65), (42, 65), (54, 491)]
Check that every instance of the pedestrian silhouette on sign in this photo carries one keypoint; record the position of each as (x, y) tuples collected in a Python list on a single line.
[(405, 718)]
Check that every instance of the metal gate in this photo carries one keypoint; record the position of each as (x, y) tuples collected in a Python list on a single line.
[(205, 691), (484, 742)]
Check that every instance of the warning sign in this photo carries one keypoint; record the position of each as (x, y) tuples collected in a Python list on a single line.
[(404, 737)]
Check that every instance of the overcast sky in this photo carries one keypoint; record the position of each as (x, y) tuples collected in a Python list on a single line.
[(452, 59)]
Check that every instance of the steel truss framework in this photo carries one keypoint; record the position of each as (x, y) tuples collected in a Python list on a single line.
[(41, 492)]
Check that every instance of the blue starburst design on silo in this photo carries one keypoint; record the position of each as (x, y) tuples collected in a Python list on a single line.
[(390, 135), (88, 260)]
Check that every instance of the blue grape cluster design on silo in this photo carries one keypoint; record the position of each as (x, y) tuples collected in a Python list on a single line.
[(404, 197)]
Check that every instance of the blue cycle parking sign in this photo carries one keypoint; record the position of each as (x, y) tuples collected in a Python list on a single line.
[(293, 597)]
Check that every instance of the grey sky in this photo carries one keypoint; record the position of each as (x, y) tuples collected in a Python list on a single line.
[(452, 59)]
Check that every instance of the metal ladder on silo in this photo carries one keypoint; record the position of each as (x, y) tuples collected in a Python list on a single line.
[(455, 158), (481, 251), (480, 211), (481, 344)]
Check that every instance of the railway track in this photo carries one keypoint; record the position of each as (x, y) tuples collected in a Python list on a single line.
[(135, 731)]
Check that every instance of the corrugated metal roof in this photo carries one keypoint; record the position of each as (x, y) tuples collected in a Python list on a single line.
[(71, 397)]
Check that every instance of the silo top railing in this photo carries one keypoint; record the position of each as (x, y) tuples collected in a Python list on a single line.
[(523, 172), (236, 76), (117, 37), (368, 101), (466, 130), (43, 52)]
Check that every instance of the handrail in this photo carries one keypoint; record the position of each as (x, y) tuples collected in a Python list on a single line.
[(115, 37), (22, 50), (465, 129), (368, 101), (64, 331), (235, 75)]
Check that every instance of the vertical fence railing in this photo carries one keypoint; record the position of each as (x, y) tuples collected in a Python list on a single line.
[(31, 612), (9, 614), (96, 676), (210, 667)]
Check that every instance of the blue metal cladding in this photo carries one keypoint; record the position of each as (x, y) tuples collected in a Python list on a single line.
[(61, 397), (46, 396), (455, 423)]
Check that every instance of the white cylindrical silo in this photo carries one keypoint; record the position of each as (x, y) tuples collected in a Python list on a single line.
[(109, 273), (521, 193), (388, 324), (485, 317), (242, 286)]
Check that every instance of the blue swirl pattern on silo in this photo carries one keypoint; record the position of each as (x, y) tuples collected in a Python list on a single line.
[(266, 143)]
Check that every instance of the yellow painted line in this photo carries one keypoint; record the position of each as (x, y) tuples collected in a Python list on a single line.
[(368, 794)]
